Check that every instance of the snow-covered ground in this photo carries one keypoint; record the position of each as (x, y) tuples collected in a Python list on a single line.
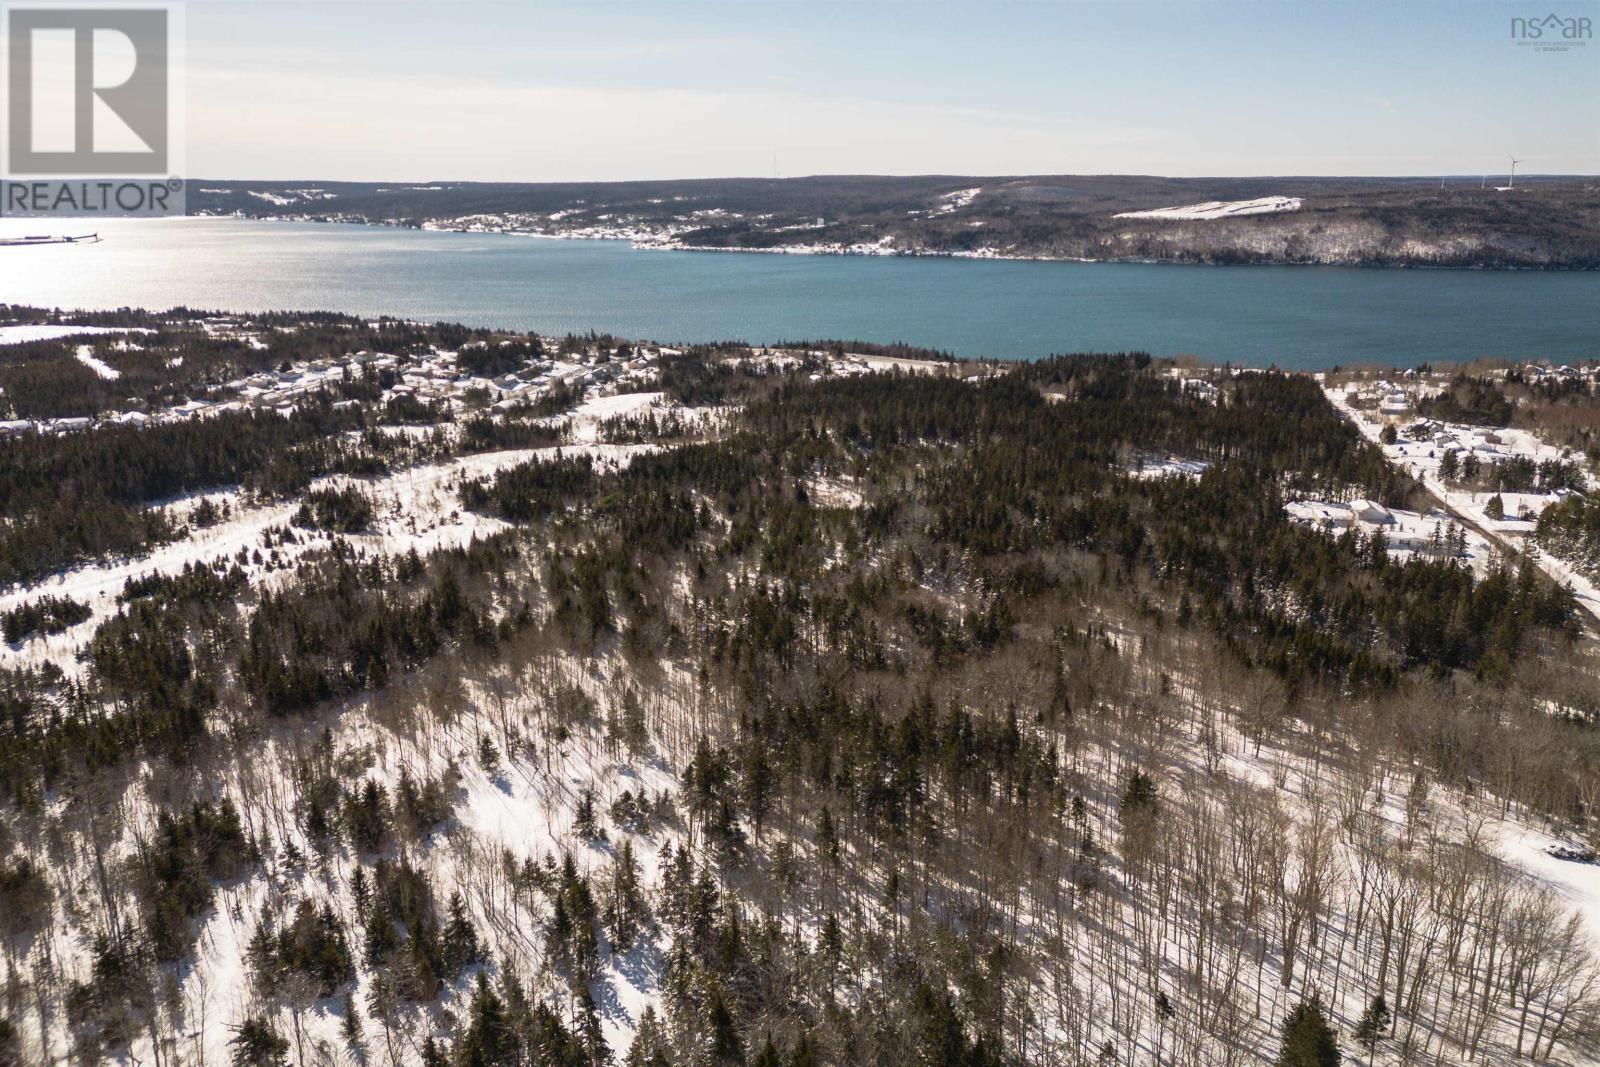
[(1408, 534), (844, 366), (418, 508), (834, 492), (1169, 467), (85, 355), (1218, 209), (1575, 882), (587, 416), (913, 366), (525, 806), (290, 196), (21, 334), (1523, 843), (951, 202)]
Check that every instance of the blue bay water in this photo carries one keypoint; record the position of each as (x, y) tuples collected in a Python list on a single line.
[(1295, 317)]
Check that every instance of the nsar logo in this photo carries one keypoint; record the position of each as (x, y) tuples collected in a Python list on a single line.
[(1552, 33)]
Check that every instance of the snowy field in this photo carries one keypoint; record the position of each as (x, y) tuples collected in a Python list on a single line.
[(1218, 209), (957, 200), (22, 334)]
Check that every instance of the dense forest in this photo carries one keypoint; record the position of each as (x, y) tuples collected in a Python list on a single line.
[(766, 714)]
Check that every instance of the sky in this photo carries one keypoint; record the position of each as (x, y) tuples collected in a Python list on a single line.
[(355, 90)]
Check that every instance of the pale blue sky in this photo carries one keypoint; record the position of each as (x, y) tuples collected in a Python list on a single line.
[(494, 91)]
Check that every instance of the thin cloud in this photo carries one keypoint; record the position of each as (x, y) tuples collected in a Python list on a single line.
[(428, 128)]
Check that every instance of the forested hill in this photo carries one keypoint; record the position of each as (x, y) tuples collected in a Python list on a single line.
[(1461, 221), (463, 697)]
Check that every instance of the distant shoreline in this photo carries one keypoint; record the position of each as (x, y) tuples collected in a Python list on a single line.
[(1550, 223), (645, 244)]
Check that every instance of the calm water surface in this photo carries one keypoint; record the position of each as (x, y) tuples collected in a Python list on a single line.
[(1300, 317)]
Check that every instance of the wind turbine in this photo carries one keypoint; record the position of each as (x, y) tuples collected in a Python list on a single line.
[(1511, 181)]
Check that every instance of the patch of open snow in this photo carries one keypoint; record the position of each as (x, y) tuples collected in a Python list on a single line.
[(1218, 209), (834, 492), (914, 366), (957, 200), (25, 332), (1171, 467), (105, 370), (1575, 882), (609, 407), (587, 416)]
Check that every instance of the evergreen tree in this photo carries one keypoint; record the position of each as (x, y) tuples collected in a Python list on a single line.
[(459, 941), (759, 784), (10, 1044), (591, 1033), (831, 940), (257, 1044), (726, 1047), (804, 1053), (433, 1053), (625, 901), (367, 816), (649, 1043), (1308, 1040), (585, 823), (1140, 796), (827, 838), (768, 1056), (383, 937), (943, 1036), (1138, 813), (487, 1040), (1374, 1022), (351, 1027)]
